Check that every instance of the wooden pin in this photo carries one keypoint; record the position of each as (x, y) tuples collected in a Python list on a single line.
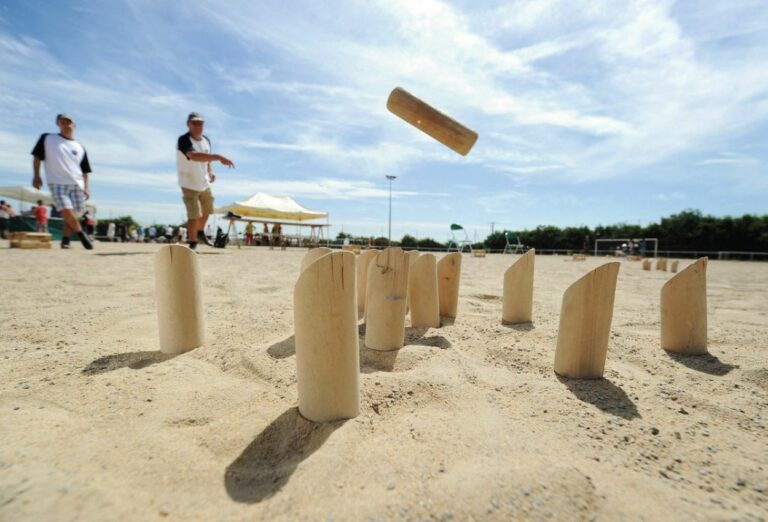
[(661, 264), (422, 288), (326, 338), (429, 120), (448, 279), (684, 310), (179, 299), (646, 264), (585, 324), (362, 277), (673, 266), (517, 299), (413, 255), (312, 255), (385, 300)]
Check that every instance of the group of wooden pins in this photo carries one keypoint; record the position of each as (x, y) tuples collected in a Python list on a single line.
[(661, 264), (335, 288)]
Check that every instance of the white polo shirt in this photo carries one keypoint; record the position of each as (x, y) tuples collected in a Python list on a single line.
[(65, 160), (192, 174)]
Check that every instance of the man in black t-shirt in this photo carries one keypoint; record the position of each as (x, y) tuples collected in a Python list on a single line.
[(193, 163)]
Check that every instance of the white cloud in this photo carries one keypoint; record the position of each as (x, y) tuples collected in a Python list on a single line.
[(15, 156), (145, 212), (156, 181), (730, 158), (647, 61), (322, 188), (671, 196), (559, 90)]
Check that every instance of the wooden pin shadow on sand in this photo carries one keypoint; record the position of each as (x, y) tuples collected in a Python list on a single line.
[(429, 120), (362, 278), (327, 352), (179, 299), (385, 300), (265, 466), (585, 324), (132, 360), (517, 302), (603, 394), (684, 310), (448, 279), (423, 294)]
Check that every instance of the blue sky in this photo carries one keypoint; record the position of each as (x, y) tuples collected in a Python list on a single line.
[(589, 112)]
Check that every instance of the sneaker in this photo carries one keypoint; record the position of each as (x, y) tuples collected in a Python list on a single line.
[(64, 242), (202, 238), (85, 241)]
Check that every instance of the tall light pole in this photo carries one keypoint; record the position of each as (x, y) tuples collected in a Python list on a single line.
[(390, 178)]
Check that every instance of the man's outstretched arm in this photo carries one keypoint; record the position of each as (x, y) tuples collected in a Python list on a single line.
[(205, 157)]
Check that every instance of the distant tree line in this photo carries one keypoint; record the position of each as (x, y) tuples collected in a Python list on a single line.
[(687, 230)]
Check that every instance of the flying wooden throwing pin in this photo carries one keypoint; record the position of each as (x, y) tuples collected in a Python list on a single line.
[(427, 119)]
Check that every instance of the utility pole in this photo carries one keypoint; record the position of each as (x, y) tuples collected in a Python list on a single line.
[(390, 178), (492, 224)]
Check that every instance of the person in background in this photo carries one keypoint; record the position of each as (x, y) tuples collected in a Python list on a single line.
[(277, 235), (55, 211), (182, 234), (111, 230), (140, 234), (41, 217), (4, 217), (152, 233), (66, 170), (194, 161), (90, 224), (168, 233), (249, 234)]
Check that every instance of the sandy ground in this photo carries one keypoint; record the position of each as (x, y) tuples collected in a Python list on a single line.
[(465, 422)]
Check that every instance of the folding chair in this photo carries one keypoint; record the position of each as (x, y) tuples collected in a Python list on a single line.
[(459, 243), (513, 245)]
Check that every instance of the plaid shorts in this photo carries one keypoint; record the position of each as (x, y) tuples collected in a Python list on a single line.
[(68, 196)]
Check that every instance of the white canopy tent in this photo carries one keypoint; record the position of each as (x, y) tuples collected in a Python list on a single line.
[(266, 206), (32, 195)]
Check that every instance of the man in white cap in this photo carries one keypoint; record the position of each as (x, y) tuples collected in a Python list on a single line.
[(66, 170), (193, 163)]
